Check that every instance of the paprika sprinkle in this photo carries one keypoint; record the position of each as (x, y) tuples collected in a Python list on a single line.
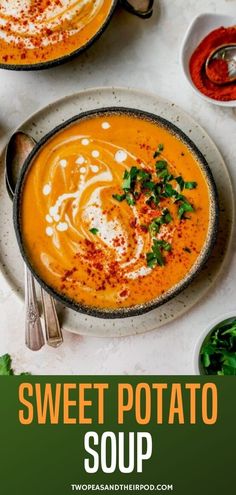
[(38, 31), (115, 211), (216, 38)]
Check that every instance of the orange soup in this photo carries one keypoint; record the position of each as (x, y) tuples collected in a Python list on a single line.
[(34, 31), (115, 211)]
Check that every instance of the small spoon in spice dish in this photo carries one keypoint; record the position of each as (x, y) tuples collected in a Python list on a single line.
[(221, 64), (19, 147)]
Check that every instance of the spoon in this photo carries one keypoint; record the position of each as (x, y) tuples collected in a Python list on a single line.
[(223, 60), (141, 8), (19, 147)]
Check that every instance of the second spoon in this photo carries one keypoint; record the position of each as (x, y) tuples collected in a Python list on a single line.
[(19, 147)]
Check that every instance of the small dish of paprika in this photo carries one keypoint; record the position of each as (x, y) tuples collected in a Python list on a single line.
[(206, 33)]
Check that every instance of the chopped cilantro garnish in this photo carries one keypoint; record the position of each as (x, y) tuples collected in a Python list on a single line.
[(6, 366), (119, 197), (167, 216), (169, 191), (181, 182), (149, 185), (190, 185), (218, 352), (158, 151), (163, 174), (162, 244), (185, 207), (139, 182), (185, 185), (161, 165), (128, 196), (130, 199), (126, 180), (153, 200), (143, 175), (94, 231), (156, 224), (129, 179), (162, 171), (155, 257)]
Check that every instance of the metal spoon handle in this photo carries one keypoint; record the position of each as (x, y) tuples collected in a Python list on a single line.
[(53, 331), (140, 8), (34, 338)]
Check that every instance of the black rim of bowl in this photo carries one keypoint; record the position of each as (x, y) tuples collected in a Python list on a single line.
[(202, 258), (65, 58)]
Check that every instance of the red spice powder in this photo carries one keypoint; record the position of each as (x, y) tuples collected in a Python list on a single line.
[(124, 293), (213, 40), (218, 70)]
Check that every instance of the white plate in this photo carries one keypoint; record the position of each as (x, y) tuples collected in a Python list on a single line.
[(202, 25), (46, 119)]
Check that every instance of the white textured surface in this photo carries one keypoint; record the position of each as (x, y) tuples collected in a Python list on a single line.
[(143, 55), (45, 120)]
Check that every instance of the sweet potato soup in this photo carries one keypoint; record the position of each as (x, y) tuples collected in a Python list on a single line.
[(33, 31), (114, 211)]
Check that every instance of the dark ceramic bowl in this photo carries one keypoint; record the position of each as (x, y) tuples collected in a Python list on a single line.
[(143, 14), (173, 291)]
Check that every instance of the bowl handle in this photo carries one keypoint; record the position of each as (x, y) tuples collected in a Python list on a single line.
[(144, 13)]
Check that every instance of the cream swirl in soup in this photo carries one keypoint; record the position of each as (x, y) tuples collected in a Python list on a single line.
[(44, 26), (89, 170), (88, 241), (31, 25)]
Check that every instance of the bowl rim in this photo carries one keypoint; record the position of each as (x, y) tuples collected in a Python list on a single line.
[(212, 228), (48, 64), (223, 317), (182, 57)]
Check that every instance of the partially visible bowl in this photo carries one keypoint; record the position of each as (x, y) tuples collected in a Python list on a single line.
[(40, 50), (205, 336), (200, 261), (202, 25)]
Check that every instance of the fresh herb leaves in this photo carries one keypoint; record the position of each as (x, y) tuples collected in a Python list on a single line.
[(155, 225), (130, 199), (155, 257), (181, 182), (144, 176), (184, 207), (119, 197), (218, 352), (94, 231), (161, 165), (129, 179), (128, 185), (157, 187), (160, 148), (162, 171), (185, 185), (6, 366), (190, 185)]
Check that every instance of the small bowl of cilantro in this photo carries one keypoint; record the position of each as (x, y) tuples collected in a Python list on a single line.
[(217, 354)]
